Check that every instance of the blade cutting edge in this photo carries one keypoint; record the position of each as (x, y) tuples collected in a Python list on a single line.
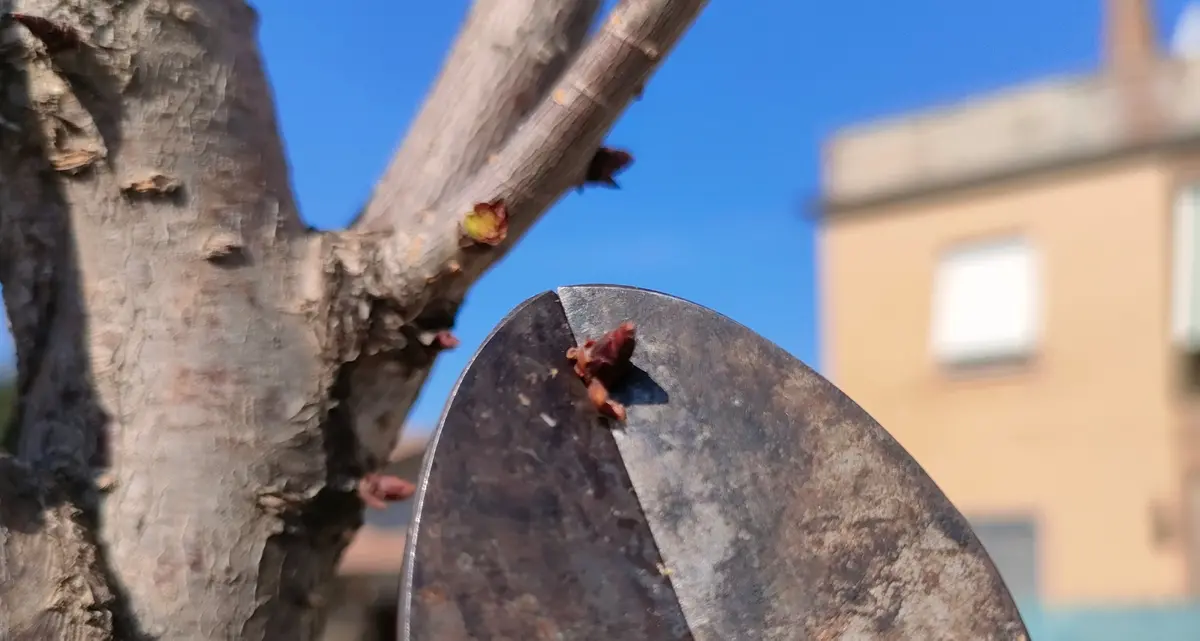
[(782, 510)]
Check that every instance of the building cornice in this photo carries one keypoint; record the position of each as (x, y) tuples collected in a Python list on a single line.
[(1014, 133)]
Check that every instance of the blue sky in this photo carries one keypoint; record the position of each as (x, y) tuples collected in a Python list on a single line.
[(727, 136)]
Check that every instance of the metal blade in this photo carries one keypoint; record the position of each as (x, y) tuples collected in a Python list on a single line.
[(526, 526), (782, 510)]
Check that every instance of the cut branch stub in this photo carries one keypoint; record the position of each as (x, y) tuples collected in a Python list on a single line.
[(151, 185), (487, 223)]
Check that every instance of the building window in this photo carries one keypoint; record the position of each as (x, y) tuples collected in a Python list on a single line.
[(986, 303), (1012, 545), (1186, 280)]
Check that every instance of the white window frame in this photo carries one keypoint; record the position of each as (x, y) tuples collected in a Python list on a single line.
[(1185, 294), (977, 318), (1013, 542)]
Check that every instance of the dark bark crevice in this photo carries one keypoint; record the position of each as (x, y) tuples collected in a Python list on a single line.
[(299, 561), (48, 498), (56, 425), (55, 585)]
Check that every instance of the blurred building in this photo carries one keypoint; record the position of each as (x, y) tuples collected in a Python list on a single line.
[(1011, 286)]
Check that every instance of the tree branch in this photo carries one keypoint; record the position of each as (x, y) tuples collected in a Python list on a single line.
[(506, 57), (544, 158), (405, 274)]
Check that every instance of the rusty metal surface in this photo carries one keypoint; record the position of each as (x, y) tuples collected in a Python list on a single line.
[(526, 525), (781, 509)]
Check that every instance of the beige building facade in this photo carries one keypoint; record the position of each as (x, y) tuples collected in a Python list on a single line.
[(1009, 286)]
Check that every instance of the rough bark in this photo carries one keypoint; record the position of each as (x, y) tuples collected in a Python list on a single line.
[(202, 379)]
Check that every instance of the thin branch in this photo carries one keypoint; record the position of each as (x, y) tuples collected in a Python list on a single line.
[(550, 153), (544, 158), (506, 57), (385, 280)]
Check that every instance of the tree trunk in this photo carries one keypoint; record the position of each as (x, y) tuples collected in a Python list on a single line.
[(203, 380)]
